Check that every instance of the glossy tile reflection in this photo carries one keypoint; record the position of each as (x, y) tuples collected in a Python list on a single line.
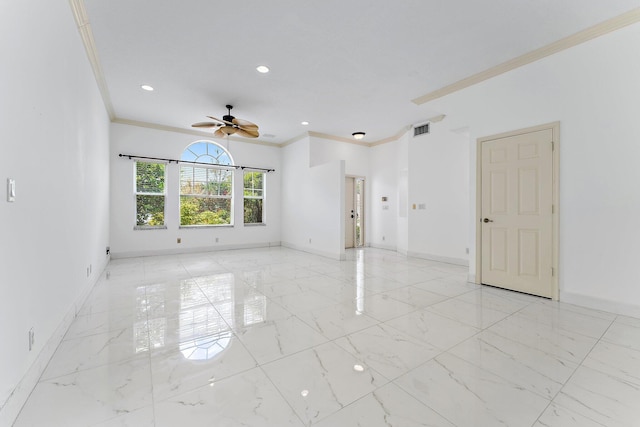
[(276, 337)]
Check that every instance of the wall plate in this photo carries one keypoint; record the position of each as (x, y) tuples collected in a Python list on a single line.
[(11, 190)]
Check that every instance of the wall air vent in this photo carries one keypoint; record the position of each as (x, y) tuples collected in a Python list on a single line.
[(421, 129)]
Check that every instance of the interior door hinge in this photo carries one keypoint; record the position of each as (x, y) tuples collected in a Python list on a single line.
[(553, 273), (553, 209), (553, 146)]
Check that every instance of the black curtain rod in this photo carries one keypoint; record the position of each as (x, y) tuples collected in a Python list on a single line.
[(131, 156)]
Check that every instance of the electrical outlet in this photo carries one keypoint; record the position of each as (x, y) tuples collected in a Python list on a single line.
[(108, 250), (88, 272), (383, 238), (309, 240), (32, 339), (217, 239), (467, 250)]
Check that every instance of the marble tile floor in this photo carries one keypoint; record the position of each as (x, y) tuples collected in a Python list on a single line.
[(277, 337)]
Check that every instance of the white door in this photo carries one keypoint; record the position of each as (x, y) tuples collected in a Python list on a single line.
[(350, 212), (517, 220)]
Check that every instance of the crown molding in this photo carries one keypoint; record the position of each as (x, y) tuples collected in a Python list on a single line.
[(392, 138), (613, 24), (338, 138), (189, 132), (294, 139), (82, 21)]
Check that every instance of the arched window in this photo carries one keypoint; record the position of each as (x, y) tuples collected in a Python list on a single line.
[(207, 152), (206, 188)]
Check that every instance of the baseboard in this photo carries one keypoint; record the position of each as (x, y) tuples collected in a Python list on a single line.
[(448, 260), (178, 251), (471, 278), (18, 397), (600, 304), (386, 247), (337, 256)]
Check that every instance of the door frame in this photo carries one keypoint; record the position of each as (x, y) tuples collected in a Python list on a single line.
[(555, 130)]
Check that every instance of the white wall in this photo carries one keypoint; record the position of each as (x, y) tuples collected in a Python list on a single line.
[(592, 89), (142, 141), (383, 224), (356, 156), (54, 143), (312, 202), (357, 163), (431, 169), (439, 180)]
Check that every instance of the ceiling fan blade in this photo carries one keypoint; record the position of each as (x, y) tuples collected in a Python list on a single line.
[(245, 124), (229, 130), (205, 125), (219, 133), (247, 133), (221, 121)]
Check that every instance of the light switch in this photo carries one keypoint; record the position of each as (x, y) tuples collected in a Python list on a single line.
[(11, 190)]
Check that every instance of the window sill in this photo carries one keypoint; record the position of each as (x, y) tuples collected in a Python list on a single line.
[(150, 227), (257, 224)]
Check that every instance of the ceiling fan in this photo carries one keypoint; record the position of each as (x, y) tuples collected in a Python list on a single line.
[(230, 125)]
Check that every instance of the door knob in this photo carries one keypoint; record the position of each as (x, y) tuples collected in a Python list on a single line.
[(487, 220)]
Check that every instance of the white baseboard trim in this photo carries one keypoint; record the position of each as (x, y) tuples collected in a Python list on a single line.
[(386, 247), (337, 256), (588, 301), (18, 397), (200, 249), (448, 260)]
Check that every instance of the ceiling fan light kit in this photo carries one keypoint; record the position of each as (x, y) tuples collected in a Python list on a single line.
[(230, 125)]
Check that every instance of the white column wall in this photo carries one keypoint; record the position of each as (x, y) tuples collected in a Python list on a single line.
[(312, 202), (383, 224), (439, 180), (54, 138)]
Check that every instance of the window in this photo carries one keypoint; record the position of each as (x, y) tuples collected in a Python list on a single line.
[(150, 194), (206, 192), (253, 197)]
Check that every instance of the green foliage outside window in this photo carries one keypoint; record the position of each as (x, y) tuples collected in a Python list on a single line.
[(204, 211), (205, 196), (253, 197), (150, 180)]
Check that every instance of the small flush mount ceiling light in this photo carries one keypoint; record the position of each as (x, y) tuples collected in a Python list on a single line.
[(262, 69), (147, 88), (358, 135), (305, 123)]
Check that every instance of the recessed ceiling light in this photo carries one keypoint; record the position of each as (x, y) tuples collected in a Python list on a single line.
[(147, 88), (262, 69), (305, 123)]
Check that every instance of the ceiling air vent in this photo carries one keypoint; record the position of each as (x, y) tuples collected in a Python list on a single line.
[(421, 129)]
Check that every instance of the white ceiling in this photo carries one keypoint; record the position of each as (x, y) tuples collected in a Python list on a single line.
[(342, 65)]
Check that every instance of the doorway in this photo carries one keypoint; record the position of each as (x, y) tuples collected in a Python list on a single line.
[(354, 212), (517, 196)]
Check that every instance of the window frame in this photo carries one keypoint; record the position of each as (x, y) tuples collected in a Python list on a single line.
[(137, 193), (253, 197), (205, 156)]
